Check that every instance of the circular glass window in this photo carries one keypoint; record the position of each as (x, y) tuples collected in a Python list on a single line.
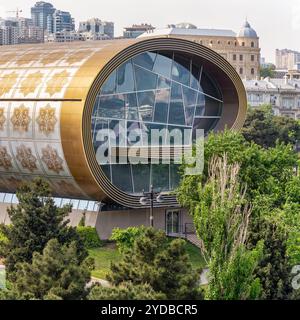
[(162, 92)]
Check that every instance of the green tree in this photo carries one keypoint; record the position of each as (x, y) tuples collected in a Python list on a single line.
[(58, 273), (264, 128), (161, 263), (35, 221), (268, 71), (221, 219), (125, 291)]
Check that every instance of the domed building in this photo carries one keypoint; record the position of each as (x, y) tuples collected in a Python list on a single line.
[(247, 31), (240, 49)]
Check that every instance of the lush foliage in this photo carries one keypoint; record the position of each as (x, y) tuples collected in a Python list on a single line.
[(221, 219), (273, 191), (263, 128), (35, 221), (125, 238), (58, 273), (89, 236), (162, 264), (267, 71), (125, 291)]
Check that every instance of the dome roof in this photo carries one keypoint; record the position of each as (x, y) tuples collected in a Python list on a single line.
[(185, 25), (247, 31)]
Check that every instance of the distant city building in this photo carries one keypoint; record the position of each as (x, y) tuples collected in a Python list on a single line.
[(62, 36), (60, 21), (9, 32), (137, 29), (40, 14), (241, 50), (97, 28), (287, 59), (282, 94)]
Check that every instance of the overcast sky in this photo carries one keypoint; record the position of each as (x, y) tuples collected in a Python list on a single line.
[(277, 22)]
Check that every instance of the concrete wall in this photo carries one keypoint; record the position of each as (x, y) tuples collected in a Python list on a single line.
[(106, 221)]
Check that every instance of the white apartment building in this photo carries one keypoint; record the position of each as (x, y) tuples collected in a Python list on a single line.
[(282, 94)]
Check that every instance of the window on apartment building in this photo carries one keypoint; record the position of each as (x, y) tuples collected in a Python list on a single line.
[(252, 44), (229, 43), (252, 71), (235, 43), (241, 70), (211, 42), (241, 57), (252, 57), (219, 42), (288, 103), (234, 57), (243, 44)]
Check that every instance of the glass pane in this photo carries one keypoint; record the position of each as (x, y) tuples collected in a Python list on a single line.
[(163, 64), (189, 115), (134, 133), (160, 177), (195, 77), (161, 106), (112, 106), (125, 79), (106, 170), (213, 108), (174, 175), (179, 135), (145, 60), (200, 107), (203, 123), (131, 106), (141, 177), (82, 205), (189, 96), (163, 83), (176, 110), (181, 69), (146, 105), (110, 84), (145, 80), (121, 177), (209, 87), (157, 137)]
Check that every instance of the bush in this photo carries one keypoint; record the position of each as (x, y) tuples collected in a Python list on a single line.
[(125, 291), (125, 237), (89, 237)]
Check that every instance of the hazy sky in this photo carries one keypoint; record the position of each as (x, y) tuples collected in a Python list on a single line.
[(277, 22)]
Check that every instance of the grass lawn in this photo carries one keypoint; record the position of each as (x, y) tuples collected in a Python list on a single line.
[(108, 253), (103, 257)]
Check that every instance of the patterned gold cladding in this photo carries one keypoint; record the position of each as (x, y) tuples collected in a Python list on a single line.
[(5, 158), (26, 158), (78, 56), (31, 82), (46, 119), (2, 119), (57, 82), (7, 81), (51, 158), (52, 57), (21, 119), (27, 58)]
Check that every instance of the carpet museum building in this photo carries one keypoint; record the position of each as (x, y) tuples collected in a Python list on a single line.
[(56, 100)]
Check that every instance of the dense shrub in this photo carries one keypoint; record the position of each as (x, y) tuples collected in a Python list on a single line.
[(89, 237), (125, 237)]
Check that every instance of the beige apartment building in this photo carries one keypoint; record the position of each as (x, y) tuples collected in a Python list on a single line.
[(240, 49)]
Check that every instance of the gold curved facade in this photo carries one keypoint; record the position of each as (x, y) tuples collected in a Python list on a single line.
[(47, 93)]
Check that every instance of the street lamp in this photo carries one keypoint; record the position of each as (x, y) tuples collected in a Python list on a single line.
[(149, 196)]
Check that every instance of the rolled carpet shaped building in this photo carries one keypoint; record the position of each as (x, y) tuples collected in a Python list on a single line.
[(56, 98)]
